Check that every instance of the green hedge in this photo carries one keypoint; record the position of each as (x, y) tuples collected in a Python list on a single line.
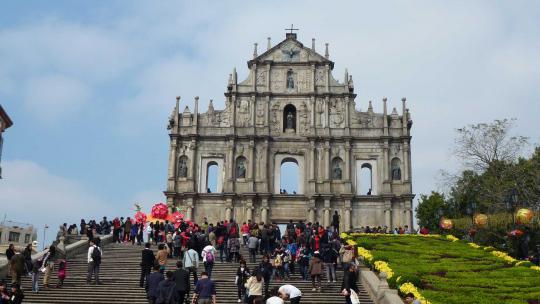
[(453, 272)]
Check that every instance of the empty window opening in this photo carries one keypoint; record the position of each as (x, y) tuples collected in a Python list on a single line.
[(212, 175), (289, 175), (366, 179)]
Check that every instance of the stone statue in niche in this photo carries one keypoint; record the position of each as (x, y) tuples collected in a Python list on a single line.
[(290, 80), (396, 173), (320, 112), (240, 169), (290, 120), (182, 167), (337, 173)]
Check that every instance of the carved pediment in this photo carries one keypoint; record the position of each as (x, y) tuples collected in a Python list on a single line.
[(291, 50)]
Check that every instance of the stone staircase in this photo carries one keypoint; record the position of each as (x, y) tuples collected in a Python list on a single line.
[(120, 277)]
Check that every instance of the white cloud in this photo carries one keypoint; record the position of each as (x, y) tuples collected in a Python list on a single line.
[(51, 97), (31, 194)]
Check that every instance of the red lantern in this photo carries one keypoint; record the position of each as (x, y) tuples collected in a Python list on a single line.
[(140, 217)]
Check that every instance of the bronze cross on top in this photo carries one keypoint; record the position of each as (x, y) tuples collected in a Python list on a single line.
[(291, 29)]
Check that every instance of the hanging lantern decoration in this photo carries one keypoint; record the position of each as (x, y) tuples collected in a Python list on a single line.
[(446, 224), (524, 216), (140, 217), (480, 220), (159, 211), (176, 218)]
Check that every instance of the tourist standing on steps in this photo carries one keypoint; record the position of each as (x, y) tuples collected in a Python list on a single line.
[(191, 263), (94, 260), (181, 279), (153, 283), (254, 286), (205, 291), (209, 256), (265, 270), (17, 267), (162, 257), (242, 275), (147, 261), (291, 293), (48, 265), (315, 271), (253, 244), (329, 257), (167, 290), (349, 283)]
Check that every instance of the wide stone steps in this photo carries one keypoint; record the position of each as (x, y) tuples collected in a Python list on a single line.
[(120, 272)]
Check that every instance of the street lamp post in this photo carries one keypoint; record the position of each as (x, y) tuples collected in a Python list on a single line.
[(43, 241)]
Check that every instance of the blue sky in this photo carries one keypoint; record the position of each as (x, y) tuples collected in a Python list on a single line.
[(89, 86)]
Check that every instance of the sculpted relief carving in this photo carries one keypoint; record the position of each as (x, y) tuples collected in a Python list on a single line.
[(261, 78), (278, 80), (336, 113), (275, 115), (261, 111), (304, 118), (319, 77), (243, 110)]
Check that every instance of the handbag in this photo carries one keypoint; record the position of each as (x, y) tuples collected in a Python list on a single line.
[(354, 297)]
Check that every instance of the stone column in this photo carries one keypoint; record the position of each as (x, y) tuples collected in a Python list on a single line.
[(264, 210), (326, 210), (253, 110), (311, 217), (386, 162), (192, 154), (327, 77), (172, 166), (251, 153), (346, 111), (249, 209), (268, 68), (313, 111), (326, 160), (189, 207), (326, 113), (228, 208), (347, 162), (229, 172), (313, 72), (311, 160), (346, 226), (388, 218), (405, 161)]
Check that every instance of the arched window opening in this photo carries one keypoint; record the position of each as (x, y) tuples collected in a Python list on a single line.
[(396, 169), (337, 168), (366, 179), (289, 118), (289, 175), (241, 167), (182, 170), (212, 175)]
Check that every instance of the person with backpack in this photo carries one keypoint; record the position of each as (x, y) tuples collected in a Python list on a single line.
[(48, 265), (234, 249), (181, 279), (329, 257), (94, 261), (153, 284), (209, 255), (253, 244), (315, 270)]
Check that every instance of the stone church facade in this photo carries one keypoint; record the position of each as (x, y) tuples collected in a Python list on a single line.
[(291, 109)]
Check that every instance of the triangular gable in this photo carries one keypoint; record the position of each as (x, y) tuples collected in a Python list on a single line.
[(290, 50)]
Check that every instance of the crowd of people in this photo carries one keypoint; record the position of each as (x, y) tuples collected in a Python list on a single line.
[(304, 249)]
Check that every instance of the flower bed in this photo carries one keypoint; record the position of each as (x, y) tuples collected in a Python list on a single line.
[(443, 269)]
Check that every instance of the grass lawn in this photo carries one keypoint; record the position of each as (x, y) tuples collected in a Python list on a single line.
[(453, 272)]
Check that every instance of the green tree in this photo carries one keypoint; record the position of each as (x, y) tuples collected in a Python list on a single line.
[(427, 211)]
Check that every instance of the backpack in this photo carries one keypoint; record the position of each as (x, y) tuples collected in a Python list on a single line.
[(96, 255), (209, 257), (277, 261), (220, 240)]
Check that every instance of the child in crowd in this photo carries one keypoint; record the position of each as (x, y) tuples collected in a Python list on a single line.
[(62, 271)]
